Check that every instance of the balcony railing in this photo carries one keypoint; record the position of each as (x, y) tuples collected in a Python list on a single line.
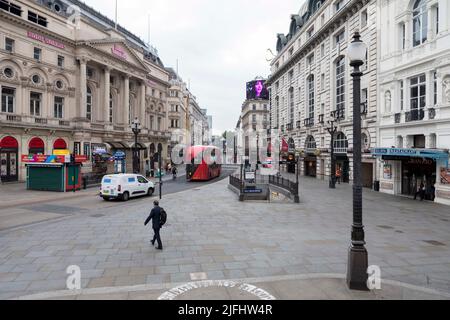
[(40, 120), (364, 108), (13, 118), (340, 150), (398, 117), (299, 124), (322, 119), (282, 128), (308, 122), (414, 115), (338, 114), (290, 126)]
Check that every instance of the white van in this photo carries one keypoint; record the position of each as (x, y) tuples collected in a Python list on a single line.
[(125, 186)]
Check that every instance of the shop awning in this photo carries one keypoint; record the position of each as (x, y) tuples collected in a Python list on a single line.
[(140, 146), (413, 153)]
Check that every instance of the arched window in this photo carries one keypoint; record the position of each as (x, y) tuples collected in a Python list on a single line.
[(89, 103), (310, 143), (111, 108), (420, 22), (340, 86), (311, 99), (340, 143)]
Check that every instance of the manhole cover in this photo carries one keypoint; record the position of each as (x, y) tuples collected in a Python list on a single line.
[(97, 215), (434, 243), (385, 227)]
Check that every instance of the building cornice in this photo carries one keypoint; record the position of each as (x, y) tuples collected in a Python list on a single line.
[(335, 23)]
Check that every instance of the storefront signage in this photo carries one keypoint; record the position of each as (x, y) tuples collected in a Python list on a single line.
[(119, 155), (250, 175), (40, 158), (119, 52), (445, 176), (415, 153), (387, 172), (45, 40), (253, 191)]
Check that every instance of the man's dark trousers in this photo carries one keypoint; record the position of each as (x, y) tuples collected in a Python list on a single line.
[(157, 237)]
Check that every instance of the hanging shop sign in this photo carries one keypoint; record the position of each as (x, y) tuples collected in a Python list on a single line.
[(40, 158), (119, 155)]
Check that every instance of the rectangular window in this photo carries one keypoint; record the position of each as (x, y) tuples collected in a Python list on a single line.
[(364, 18), (61, 61), (291, 76), (403, 36), (9, 45), (322, 50), (8, 99), (311, 99), (310, 59), (310, 32), (435, 86), (322, 81), (291, 52), (159, 124), (77, 148), (34, 17), (87, 149), (339, 38), (402, 96), (35, 104), (58, 107), (37, 54), (12, 8), (322, 19), (436, 12), (418, 93), (151, 122)]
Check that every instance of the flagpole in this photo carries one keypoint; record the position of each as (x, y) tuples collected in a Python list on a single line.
[(116, 14)]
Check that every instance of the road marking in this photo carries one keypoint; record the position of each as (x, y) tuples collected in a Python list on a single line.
[(198, 276)]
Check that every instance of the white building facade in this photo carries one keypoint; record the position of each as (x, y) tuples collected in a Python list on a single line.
[(414, 97), (310, 85)]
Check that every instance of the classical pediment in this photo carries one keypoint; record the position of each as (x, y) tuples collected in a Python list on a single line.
[(119, 50)]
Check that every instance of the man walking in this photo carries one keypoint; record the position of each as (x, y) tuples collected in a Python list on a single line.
[(155, 215)]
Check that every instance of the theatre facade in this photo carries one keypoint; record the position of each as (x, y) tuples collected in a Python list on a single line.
[(77, 86)]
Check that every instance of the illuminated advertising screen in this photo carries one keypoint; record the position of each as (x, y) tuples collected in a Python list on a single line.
[(257, 90)]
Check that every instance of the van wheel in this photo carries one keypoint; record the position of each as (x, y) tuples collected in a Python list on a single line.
[(150, 192), (125, 196)]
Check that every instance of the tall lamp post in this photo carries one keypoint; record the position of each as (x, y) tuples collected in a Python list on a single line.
[(160, 170), (136, 128), (332, 129), (357, 257), (257, 151)]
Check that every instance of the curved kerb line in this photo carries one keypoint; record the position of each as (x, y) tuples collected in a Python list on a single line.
[(168, 286)]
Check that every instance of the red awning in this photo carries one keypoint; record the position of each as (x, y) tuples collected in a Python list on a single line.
[(284, 146), (60, 144), (9, 142), (36, 143)]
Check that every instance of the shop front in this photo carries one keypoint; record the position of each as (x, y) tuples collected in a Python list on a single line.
[(343, 167), (9, 153), (310, 165), (403, 171)]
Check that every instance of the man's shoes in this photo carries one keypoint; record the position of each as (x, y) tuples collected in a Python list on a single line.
[(159, 248), (153, 242)]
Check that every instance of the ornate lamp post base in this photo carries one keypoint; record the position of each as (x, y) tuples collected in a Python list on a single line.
[(357, 268)]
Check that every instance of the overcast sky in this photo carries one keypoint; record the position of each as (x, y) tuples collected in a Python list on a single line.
[(220, 45)]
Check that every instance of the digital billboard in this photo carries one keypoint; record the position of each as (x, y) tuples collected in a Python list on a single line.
[(257, 90)]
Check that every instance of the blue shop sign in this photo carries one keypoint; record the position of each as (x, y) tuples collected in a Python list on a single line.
[(119, 155), (415, 153), (253, 191)]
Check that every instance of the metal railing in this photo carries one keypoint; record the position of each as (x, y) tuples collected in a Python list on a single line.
[(414, 115), (284, 183), (321, 118), (338, 114), (398, 117), (235, 182), (309, 122)]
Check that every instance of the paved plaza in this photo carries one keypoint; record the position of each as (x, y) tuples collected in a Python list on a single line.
[(293, 251)]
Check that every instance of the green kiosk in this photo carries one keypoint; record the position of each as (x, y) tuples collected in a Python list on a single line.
[(54, 173)]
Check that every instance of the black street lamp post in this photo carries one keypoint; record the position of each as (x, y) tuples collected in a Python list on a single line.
[(332, 131), (160, 170), (136, 130), (257, 151), (358, 257)]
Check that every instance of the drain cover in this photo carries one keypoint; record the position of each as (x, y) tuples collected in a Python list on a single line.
[(97, 215), (434, 243)]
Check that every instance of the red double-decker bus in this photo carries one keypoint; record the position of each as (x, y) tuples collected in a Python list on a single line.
[(204, 163)]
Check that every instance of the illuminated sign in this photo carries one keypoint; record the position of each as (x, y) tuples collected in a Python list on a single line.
[(119, 52), (45, 40)]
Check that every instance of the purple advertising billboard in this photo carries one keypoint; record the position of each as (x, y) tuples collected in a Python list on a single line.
[(257, 90)]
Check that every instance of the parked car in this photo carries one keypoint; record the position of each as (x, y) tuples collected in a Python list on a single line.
[(125, 186)]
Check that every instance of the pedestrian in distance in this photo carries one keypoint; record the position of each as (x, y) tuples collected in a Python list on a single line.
[(159, 217), (338, 175), (174, 172), (420, 192)]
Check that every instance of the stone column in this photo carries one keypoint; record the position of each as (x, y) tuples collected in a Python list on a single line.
[(83, 86), (126, 100), (408, 32), (142, 103), (431, 23), (107, 92)]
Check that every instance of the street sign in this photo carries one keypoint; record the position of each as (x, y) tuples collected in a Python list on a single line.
[(249, 175), (253, 191)]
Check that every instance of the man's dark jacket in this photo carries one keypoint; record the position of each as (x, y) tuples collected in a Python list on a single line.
[(155, 215)]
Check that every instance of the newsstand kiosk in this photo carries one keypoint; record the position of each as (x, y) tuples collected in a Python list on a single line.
[(54, 173)]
